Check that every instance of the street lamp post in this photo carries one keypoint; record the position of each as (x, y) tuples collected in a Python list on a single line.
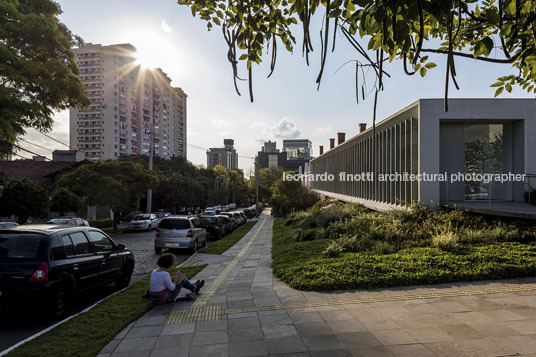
[(257, 186), (150, 191), (232, 184)]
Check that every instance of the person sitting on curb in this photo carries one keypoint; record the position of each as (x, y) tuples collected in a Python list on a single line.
[(163, 289)]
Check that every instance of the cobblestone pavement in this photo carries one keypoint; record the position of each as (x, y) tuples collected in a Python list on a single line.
[(244, 311), (142, 246)]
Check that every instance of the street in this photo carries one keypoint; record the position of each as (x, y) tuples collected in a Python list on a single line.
[(16, 325)]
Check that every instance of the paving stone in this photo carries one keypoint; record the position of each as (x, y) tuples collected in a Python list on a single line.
[(209, 338), (305, 316), (496, 329), (331, 353), (344, 326), (173, 341), (216, 325), (450, 306), (151, 321), (220, 350), (172, 352), (411, 350), (279, 331), (247, 348), (246, 334), (358, 339), (290, 344), (516, 344), (144, 331), (379, 324), (335, 315), (243, 323), (313, 329), (462, 332), (131, 354), (429, 334), (503, 315), (136, 344), (322, 342), (524, 327), (394, 337), (377, 351), (241, 314), (178, 329), (268, 320), (110, 347)]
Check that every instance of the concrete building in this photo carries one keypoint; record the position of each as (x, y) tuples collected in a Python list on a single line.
[(298, 149), (482, 136), (225, 156), (132, 107), (270, 157)]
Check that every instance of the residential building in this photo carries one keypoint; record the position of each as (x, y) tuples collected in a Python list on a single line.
[(442, 150), (270, 157), (295, 155), (134, 110), (225, 156)]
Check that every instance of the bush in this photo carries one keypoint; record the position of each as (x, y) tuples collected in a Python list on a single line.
[(101, 223), (446, 240)]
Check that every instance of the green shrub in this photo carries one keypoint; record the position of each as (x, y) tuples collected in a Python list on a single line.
[(101, 223), (446, 240)]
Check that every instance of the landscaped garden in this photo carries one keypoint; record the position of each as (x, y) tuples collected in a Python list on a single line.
[(345, 246)]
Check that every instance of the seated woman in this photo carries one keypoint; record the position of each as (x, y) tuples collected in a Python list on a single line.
[(162, 289)]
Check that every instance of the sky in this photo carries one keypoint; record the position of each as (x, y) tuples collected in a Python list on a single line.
[(287, 105)]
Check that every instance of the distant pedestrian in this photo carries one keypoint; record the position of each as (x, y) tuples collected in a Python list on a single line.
[(162, 288)]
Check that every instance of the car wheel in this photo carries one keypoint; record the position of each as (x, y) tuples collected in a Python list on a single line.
[(124, 280), (194, 249), (61, 300), (158, 250)]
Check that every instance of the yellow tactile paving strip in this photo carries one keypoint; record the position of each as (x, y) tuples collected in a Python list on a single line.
[(199, 311), (525, 287)]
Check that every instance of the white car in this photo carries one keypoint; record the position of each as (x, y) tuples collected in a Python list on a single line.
[(8, 224), (143, 222), (210, 211)]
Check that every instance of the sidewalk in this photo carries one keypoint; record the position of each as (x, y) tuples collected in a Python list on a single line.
[(244, 311)]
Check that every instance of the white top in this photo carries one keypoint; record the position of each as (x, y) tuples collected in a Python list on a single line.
[(160, 280)]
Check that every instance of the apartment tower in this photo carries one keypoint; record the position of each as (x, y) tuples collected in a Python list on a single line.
[(133, 111)]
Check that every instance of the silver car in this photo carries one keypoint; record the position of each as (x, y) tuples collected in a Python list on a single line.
[(143, 222), (73, 221), (180, 232)]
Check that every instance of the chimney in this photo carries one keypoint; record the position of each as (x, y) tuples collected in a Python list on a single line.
[(362, 127), (340, 138), (321, 149), (331, 143)]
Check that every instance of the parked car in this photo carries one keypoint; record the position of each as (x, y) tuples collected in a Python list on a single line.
[(228, 224), (178, 232), (243, 215), (8, 224), (161, 214), (46, 265), (232, 218), (250, 213), (232, 205), (143, 222), (213, 225), (239, 219), (73, 221), (210, 211)]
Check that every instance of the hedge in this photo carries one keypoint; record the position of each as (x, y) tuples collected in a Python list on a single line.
[(101, 223)]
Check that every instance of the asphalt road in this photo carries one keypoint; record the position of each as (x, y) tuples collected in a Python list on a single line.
[(16, 325)]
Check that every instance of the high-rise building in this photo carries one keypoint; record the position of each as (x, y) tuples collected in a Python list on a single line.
[(298, 148), (132, 109), (225, 156)]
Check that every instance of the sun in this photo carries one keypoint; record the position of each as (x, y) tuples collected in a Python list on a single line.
[(151, 48)]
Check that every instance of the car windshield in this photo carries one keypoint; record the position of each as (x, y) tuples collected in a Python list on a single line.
[(59, 221), (142, 217), (209, 220), (19, 246), (175, 224)]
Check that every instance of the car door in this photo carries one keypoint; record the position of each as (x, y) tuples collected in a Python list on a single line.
[(200, 232), (111, 265), (84, 263)]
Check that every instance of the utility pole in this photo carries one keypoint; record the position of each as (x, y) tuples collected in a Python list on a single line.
[(257, 186), (150, 191)]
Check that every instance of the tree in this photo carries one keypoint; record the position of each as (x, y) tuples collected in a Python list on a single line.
[(64, 201), (406, 30), (38, 73), (177, 191), (24, 198), (117, 184), (289, 196)]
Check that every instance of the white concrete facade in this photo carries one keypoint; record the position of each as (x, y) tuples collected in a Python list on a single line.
[(132, 107), (423, 138)]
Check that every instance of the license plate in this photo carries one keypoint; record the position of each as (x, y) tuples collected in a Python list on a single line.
[(172, 244)]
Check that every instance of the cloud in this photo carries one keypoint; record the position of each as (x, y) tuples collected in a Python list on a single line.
[(220, 124), (165, 27), (285, 129), (257, 125), (324, 130)]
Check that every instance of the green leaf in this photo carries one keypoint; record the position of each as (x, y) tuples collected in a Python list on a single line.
[(430, 65), (497, 84), (508, 87), (483, 47), (498, 91), (492, 15), (243, 57), (363, 3), (423, 71)]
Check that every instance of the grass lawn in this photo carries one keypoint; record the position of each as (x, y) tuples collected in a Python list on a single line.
[(88, 333), (387, 259), (221, 245)]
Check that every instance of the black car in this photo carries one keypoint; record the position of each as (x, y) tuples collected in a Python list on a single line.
[(48, 264), (214, 226)]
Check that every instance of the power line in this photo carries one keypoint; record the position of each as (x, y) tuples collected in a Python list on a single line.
[(39, 146), (24, 157), (23, 149), (50, 137)]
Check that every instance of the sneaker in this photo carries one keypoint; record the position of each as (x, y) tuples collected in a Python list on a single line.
[(199, 286)]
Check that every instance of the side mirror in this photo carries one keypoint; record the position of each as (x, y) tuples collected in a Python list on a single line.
[(120, 246)]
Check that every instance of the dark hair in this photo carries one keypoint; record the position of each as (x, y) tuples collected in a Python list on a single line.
[(166, 260)]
